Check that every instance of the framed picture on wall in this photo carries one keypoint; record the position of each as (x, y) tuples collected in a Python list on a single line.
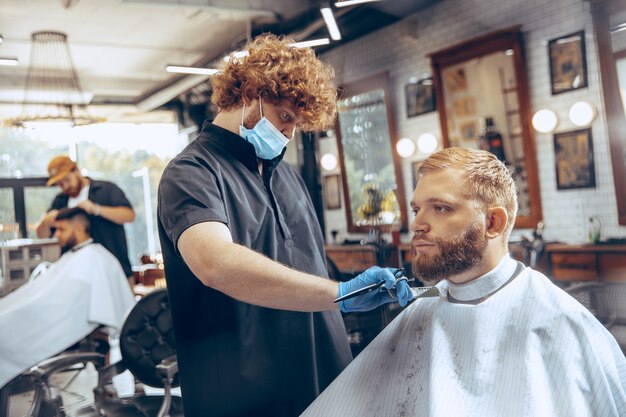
[(573, 153), (420, 97), (332, 192), (568, 63)]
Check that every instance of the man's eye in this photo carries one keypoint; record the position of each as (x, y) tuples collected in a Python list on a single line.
[(441, 208)]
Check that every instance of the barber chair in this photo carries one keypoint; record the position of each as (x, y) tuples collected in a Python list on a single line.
[(148, 351), (607, 302)]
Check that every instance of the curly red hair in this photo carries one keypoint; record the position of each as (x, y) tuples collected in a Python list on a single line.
[(276, 71)]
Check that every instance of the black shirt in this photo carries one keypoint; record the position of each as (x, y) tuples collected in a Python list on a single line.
[(105, 232), (237, 359)]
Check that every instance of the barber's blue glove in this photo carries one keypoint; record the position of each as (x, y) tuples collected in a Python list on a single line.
[(377, 297)]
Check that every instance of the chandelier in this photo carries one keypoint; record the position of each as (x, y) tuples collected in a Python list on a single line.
[(53, 92)]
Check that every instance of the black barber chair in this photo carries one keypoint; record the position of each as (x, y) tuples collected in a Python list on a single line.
[(148, 351)]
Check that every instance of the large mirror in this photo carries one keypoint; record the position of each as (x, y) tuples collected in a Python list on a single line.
[(609, 22), (366, 141), (482, 101)]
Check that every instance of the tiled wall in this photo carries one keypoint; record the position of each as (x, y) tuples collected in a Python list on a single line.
[(402, 49)]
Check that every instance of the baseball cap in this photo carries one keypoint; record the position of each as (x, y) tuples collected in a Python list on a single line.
[(58, 168)]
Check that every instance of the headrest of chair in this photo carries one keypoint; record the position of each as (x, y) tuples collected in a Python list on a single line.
[(147, 337)]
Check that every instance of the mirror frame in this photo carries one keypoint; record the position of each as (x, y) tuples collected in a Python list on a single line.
[(615, 117), (510, 38), (374, 82)]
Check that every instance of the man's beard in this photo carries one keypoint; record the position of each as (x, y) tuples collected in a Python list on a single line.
[(71, 242), (456, 255)]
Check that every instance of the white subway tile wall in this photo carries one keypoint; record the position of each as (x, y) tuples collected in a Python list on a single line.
[(402, 50)]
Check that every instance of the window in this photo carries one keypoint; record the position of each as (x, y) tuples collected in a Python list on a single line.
[(132, 156)]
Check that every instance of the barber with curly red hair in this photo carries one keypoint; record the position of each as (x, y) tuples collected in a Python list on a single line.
[(256, 328)]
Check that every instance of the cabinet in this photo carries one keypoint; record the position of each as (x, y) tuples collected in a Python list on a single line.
[(353, 259), (605, 263), (18, 259)]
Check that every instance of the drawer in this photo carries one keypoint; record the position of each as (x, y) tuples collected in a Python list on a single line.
[(574, 266), (613, 267)]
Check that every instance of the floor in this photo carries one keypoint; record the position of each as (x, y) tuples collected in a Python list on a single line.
[(76, 388)]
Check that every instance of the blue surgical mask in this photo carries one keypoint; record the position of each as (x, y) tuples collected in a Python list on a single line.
[(267, 140)]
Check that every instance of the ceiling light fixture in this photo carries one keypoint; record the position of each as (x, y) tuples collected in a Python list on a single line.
[(53, 92), (311, 43), (180, 69), (331, 23), (8, 62), (346, 3), (236, 55)]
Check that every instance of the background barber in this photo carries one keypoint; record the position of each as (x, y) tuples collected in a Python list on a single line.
[(104, 201)]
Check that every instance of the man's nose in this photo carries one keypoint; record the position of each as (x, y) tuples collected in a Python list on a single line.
[(419, 224)]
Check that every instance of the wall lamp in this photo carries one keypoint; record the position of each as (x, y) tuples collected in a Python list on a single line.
[(544, 121), (405, 147), (427, 143), (582, 113), (328, 161)]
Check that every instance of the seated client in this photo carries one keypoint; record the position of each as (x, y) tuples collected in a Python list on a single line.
[(84, 289)]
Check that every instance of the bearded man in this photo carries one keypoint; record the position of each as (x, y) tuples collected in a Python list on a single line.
[(501, 340)]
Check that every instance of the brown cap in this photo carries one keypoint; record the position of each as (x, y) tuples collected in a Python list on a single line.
[(58, 168)]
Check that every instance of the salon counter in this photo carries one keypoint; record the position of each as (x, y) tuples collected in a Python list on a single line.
[(603, 262)]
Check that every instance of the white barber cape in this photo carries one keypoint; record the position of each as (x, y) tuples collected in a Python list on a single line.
[(527, 350), (84, 289)]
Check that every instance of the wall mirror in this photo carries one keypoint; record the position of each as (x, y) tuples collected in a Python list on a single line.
[(366, 139), (482, 100), (609, 22)]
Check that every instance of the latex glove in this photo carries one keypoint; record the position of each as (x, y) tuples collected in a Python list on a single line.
[(377, 297)]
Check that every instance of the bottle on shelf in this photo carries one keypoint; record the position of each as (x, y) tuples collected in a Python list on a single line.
[(492, 141)]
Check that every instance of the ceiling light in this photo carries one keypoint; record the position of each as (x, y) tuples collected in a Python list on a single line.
[(311, 43), (405, 147), (191, 70), (427, 143), (328, 161), (346, 3), (544, 121), (237, 55), (9, 62), (53, 92), (331, 23), (581, 113)]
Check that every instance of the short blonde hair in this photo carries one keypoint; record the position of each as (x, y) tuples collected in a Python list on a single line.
[(488, 180), (276, 70)]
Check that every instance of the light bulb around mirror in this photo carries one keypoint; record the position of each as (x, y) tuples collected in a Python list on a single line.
[(427, 143), (405, 147), (581, 113), (544, 121), (328, 161)]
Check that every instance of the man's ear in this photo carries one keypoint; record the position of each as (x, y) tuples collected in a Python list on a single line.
[(497, 221)]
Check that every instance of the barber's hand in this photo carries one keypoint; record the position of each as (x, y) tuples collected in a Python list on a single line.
[(377, 297), (90, 207), (49, 218)]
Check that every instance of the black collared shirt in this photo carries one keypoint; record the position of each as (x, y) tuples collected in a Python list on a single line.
[(237, 359), (105, 232)]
